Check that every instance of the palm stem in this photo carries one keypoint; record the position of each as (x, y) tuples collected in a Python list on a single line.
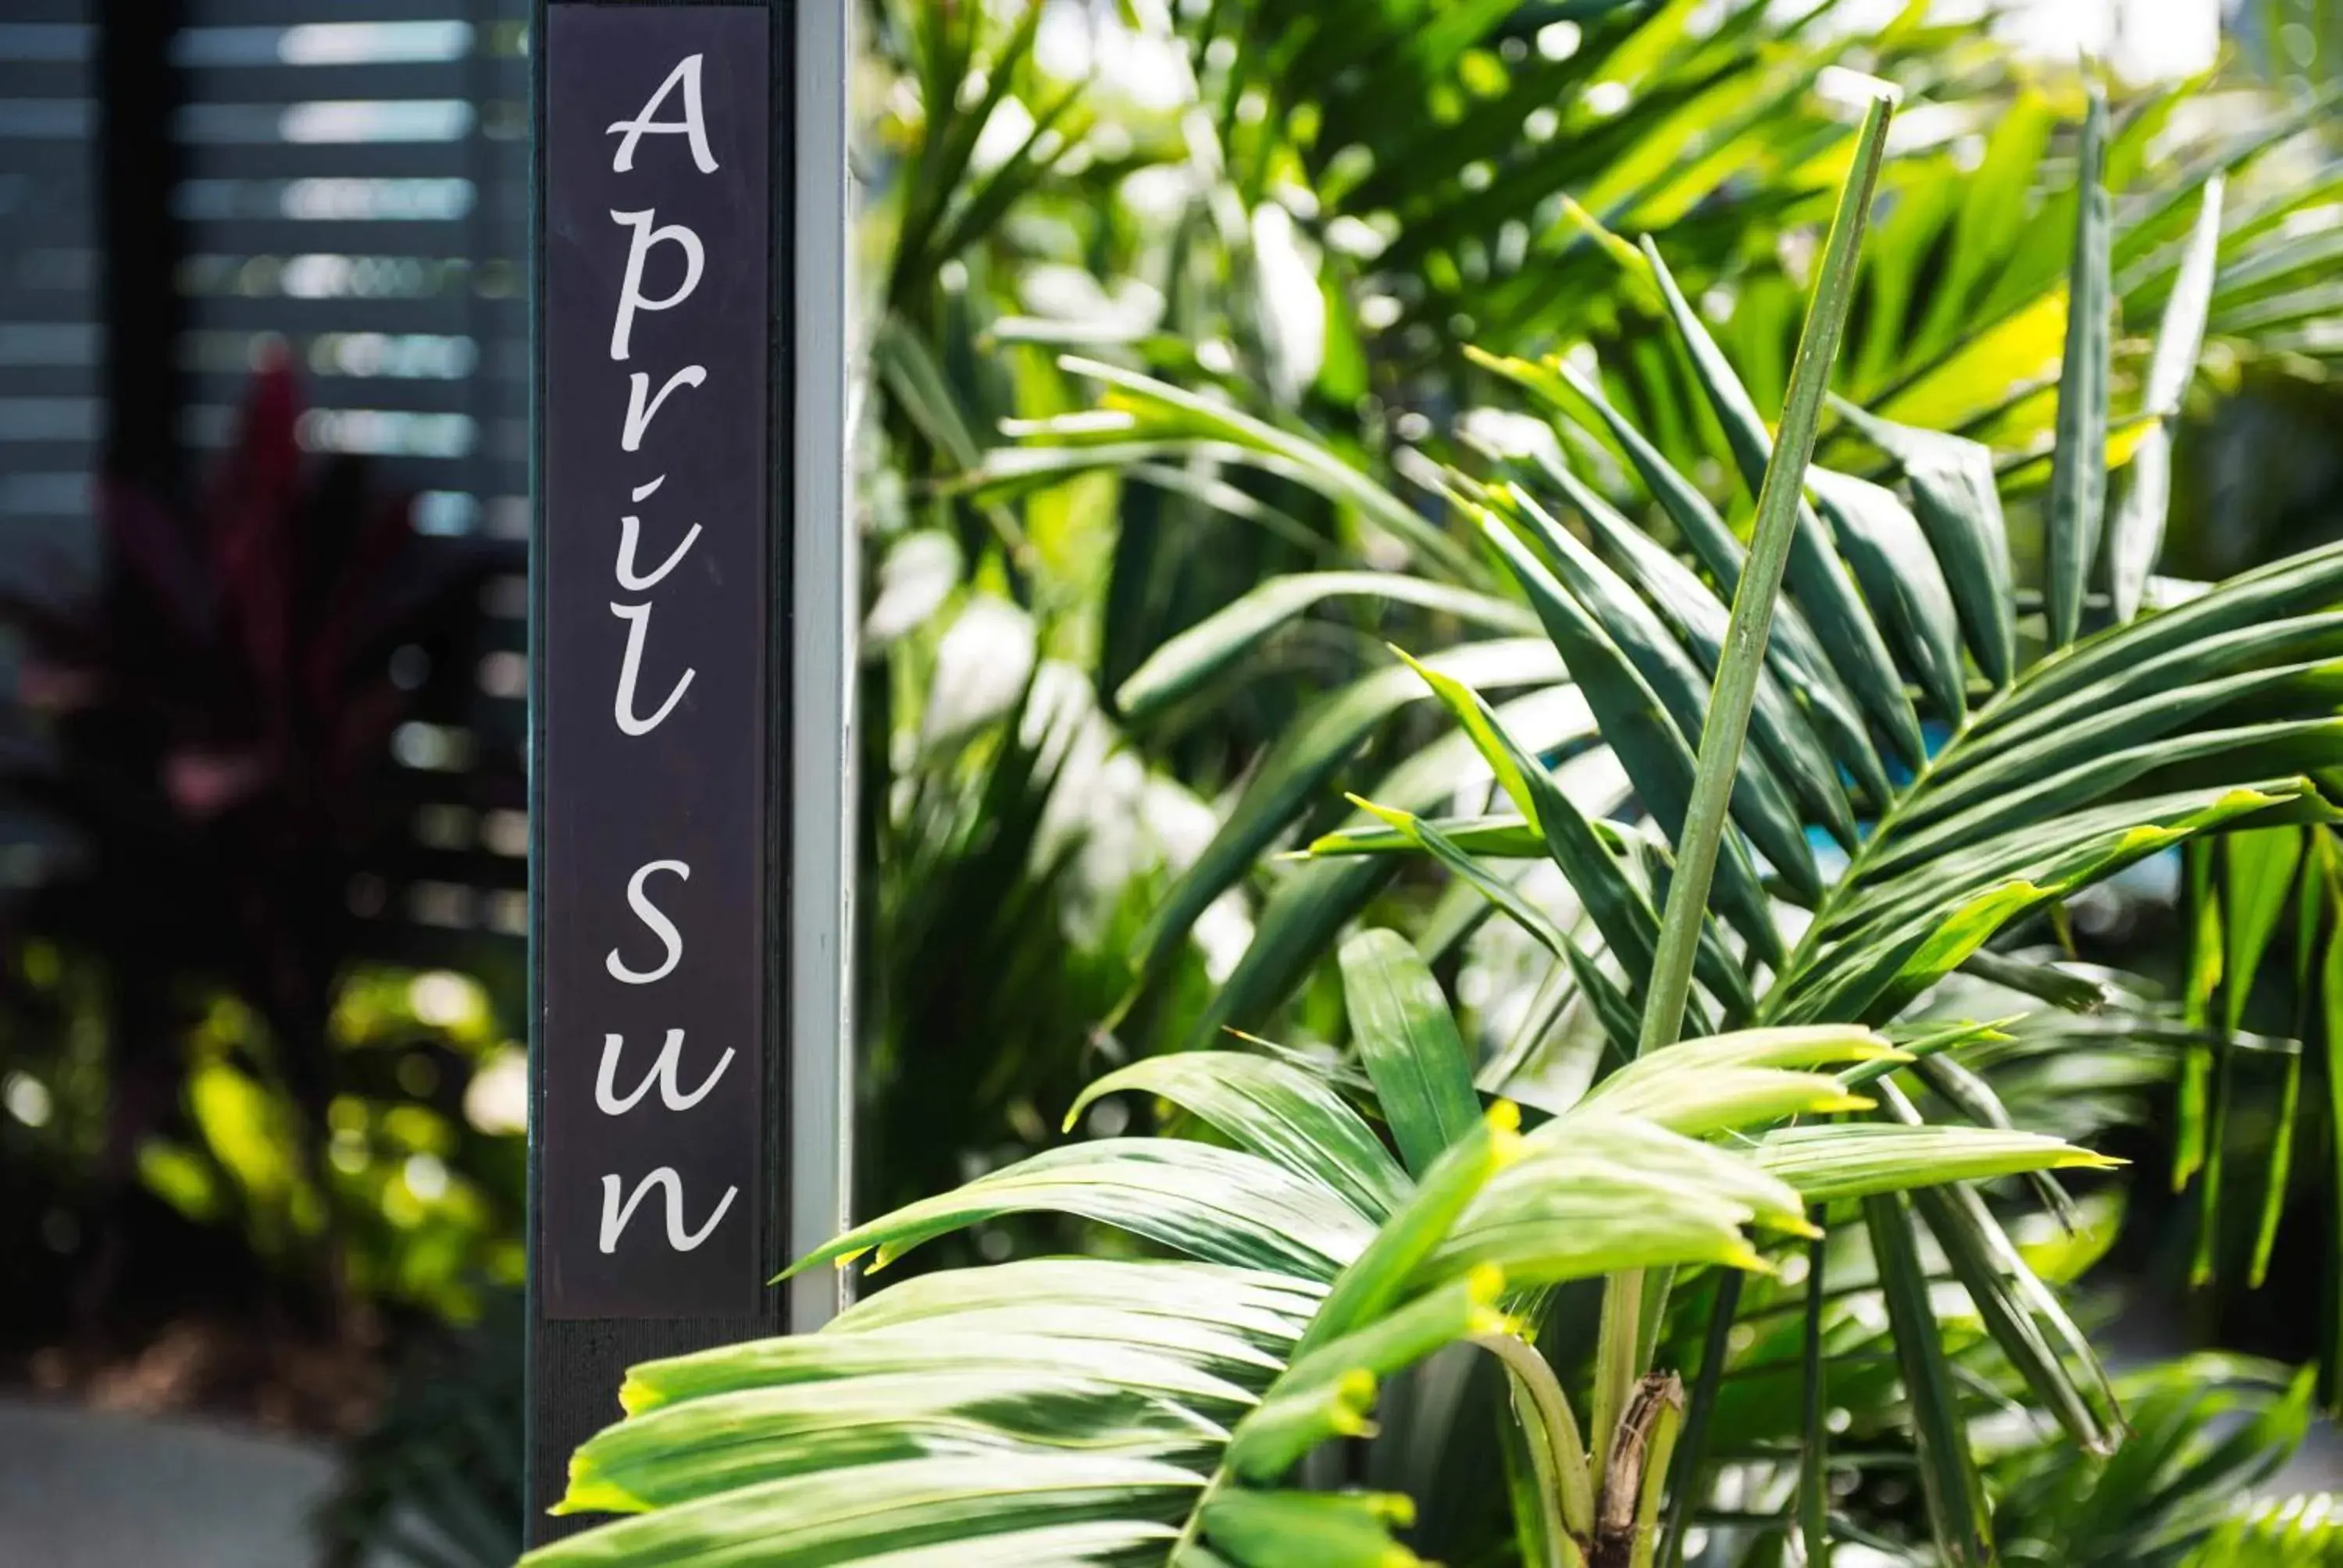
[(1626, 1517), (1697, 1415), (1574, 1488), (1813, 1479), (1656, 1474), (1743, 661), (1616, 1365), (1725, 728)]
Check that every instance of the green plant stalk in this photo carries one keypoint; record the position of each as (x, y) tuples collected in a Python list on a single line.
[(2078, 472), (1543, 1541), (2331, 991), (1698, 1415), (1616, 1366), (1656, 1460), (1626, 1519), (1726, 728), (1574, 1489), (1813, 1477), (1657, 1284)]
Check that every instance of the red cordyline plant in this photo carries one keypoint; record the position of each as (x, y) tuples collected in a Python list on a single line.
[(205, 735)]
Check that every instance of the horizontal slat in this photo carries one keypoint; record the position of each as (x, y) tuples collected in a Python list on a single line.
[(31, 489), (49, 419), (251, 12), (425, 398), (65, 383), (450, 449), (48, 57), (42, 273), (280, 84), (46, 79), (490, 788), (301, 318), (453, 312), (491, 161), (42, 346), (35, 25), (317, 42), (334, 198), (461, 814), (282, 237), (326, 121), (72, 120), (356, 358), (498, 358), (46, 209), (330, 275), (289, 160), (55, 34), (497, 327), (330, 212), (66, 163)]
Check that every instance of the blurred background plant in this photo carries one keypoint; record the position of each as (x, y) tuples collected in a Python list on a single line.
[(207, 1035)]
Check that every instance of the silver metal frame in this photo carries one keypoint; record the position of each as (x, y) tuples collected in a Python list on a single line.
[(826, 593)]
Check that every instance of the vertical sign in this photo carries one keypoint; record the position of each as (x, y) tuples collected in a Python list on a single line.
[(693, 581), (652, 1192)]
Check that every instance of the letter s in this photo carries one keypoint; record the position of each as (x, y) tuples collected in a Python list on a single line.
[(651, 915)]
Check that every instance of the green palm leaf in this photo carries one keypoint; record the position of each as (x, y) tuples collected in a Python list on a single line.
[(2078, 475), (1143, 1410)]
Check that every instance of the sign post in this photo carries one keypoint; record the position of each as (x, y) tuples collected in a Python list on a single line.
[(690, 668)]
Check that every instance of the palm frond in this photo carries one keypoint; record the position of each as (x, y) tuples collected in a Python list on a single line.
[(1113, 1409), (2207, 1431)]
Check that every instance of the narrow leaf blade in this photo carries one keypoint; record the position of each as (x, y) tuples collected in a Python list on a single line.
[(2078, 470), (1408, 1041)]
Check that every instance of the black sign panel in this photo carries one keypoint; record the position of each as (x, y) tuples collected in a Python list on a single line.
[(653, 1194)]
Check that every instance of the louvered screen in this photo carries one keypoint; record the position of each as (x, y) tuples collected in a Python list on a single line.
[(50, 342), (358, 188)]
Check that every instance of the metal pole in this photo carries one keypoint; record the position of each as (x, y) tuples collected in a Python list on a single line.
[(827, 601)]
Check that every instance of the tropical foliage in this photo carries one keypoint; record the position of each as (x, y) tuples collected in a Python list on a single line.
[(1938, 759), (1296, 227)]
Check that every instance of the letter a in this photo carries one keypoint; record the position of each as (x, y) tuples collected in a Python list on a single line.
[(615, 1214), (651, 915), (693, 124), (663, 1073), (638, 618)]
